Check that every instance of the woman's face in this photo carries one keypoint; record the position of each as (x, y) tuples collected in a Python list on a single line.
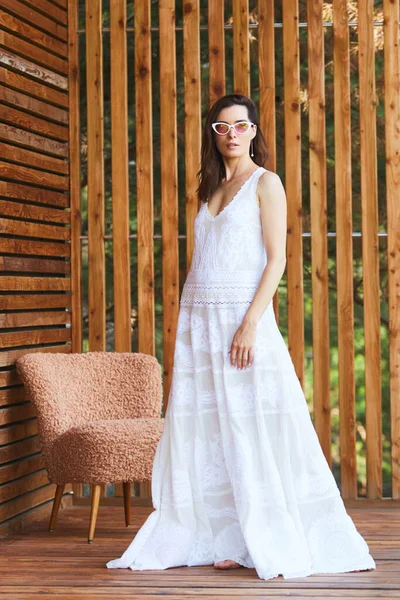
[(234, 144)]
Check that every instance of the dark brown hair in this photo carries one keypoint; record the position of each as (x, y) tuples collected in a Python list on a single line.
[(212, 169)]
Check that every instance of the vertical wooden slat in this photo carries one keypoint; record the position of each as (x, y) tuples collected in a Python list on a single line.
[(144, 177), (120, 185), (216, 49), (169, 186), (95, 134), (120, 181), (319, 240), (294, 251), (392, 138), (266, 76), (241, 51), (191, 41), (344, 250), (75, 183), (75, 175), (144, 186), (370, 247)]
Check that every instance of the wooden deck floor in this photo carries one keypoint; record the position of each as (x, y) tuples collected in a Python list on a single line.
[(63, 565)]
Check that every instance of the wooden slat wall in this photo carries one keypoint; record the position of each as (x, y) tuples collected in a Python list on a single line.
[(319, 239), (344, 250), (39, 88), (35, 248), (370, 247), (392, 136)]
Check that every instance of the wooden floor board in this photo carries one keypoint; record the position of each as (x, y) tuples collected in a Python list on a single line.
[(61, 564)]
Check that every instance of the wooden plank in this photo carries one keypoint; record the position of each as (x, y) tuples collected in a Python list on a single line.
[(35, 176), (33, 301), (344, 254), (36, 89), (32, 247), (35, 18), (32, 52), (216, 50), (319, 238), (144, 178), (32, 140), (27, 67), (13, 227), (8, 378), (34, 283), (294, 252), (17, 488), (267, 87), (21, 468), (16, 413), (35, 319), (370, 248), (392, 139), (95, 168), (27, 501), (120, 181), (169, 187), (75, 175), (33, 159), (37, 36), (28, 211), (192, 87), (53, 12), (31, 516), (29, 265), (13, 433), (14, 395), (20, 118), (19, 449), (32, 338), (241, 50), (32, 194), (9, 356), (32, 105)]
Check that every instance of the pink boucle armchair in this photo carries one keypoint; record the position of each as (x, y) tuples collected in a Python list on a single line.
[(99, 419)]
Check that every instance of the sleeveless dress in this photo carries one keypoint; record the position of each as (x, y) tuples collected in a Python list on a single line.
[(239, 472)]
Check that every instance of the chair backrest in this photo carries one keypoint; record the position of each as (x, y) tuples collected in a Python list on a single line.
[(66, 389)]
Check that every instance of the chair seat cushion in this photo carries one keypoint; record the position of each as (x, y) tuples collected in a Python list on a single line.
[(106, 451)]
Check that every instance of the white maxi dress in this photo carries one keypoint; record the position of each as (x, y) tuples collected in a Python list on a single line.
[(239, 472)]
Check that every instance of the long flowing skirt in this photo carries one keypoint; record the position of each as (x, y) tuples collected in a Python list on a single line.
[(239, 472)]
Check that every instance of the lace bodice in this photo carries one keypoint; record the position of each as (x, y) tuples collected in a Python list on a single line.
[(229, 254)]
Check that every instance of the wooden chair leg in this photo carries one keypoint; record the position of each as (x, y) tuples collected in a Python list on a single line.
[(96, 492), (56, 506), (127, 502)]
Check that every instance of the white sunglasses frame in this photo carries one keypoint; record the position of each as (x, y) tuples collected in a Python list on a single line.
[(231, 126)]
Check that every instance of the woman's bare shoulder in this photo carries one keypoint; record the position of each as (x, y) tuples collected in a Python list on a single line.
[(269, 182)]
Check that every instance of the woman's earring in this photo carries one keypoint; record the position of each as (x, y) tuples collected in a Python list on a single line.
[(251, 148)]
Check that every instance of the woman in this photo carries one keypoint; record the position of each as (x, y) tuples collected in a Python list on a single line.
[(239, 476)]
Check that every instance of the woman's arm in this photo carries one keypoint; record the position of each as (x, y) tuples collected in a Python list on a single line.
[(273, 210)]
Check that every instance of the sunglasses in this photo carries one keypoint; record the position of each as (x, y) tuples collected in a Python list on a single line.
[(223, 128)]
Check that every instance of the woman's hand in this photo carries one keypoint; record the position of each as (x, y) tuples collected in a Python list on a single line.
[(242, 347)]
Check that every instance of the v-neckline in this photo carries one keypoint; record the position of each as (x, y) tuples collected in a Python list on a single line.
[(213, 217)]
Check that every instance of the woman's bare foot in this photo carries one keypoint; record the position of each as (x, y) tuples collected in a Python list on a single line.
[(227, 564)]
